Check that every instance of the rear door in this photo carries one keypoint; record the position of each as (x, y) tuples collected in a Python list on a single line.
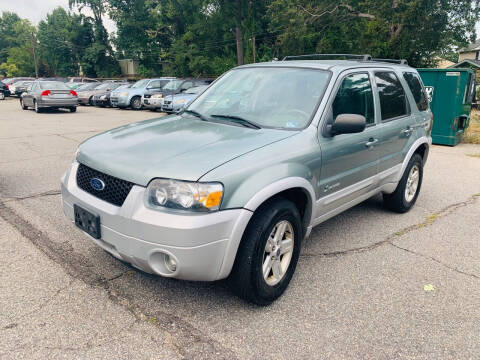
[(397, 123), (349, 161)]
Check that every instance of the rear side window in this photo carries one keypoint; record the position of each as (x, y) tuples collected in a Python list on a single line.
[(393, 102), (355, 97), (417, 90)]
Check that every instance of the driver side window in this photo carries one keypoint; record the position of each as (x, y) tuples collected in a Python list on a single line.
[(355, 96)]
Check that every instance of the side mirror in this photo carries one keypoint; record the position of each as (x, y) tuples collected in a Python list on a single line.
[(348, 124)]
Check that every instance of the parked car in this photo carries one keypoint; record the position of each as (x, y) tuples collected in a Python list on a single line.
[(49, 94), (153, 99), (4, 92), (10, 81), (102, 98), (176, 103), (231, 187), (85, 97), (20, 87), (132, 97)]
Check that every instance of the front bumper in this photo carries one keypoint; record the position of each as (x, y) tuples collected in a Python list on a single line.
[(119, 101), (152, 103), (203, 245)]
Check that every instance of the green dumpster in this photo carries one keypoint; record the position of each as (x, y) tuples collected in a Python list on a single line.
[(451, 93)]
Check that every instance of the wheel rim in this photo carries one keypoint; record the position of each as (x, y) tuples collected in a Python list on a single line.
[(278, 252), (412, 183), (136, 103), (36, 106)]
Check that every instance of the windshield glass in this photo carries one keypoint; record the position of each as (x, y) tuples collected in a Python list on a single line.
[(173, 85), (53, 85), (140, 84), (196, 89), (268, 96), (87, 86), (104, 86)]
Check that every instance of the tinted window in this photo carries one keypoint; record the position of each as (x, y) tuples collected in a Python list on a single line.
[(186, 85), (355, 97), (393, 102), (417, 90)]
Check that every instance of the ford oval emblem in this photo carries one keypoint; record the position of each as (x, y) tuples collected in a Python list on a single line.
[(97, 184)]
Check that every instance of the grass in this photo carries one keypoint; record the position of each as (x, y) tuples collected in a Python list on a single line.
[(472, 135)]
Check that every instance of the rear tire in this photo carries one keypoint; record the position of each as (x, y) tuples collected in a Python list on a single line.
[(90, 101), (37, 109), (260, 253), (406, 193), (22, 104), (136, 103), (73, 109)]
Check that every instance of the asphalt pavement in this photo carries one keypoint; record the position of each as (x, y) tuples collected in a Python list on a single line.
[(370, 284)]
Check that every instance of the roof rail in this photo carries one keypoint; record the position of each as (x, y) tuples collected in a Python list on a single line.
[(394, 61), (364, 57)]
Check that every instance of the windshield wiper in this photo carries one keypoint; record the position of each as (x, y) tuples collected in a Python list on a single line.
[(238, 120), (196, 113)]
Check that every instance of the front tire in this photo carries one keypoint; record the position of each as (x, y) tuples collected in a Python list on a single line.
[(136, 103), (268, 253), (406, 193)]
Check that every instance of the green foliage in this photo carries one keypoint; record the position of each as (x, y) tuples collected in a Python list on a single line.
[(198, 37)]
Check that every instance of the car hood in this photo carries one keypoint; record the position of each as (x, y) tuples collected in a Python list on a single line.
[(178, 147)]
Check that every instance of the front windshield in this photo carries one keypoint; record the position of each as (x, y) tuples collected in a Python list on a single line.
[(87, 86), (173, 85), (104, 86), (277, 97), (140, 84)]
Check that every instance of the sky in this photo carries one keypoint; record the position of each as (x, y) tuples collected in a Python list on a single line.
[(36, 10)]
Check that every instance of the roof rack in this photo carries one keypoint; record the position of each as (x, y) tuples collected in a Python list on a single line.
[(394, 61), (365, 57)]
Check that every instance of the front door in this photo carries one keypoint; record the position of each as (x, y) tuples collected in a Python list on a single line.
[(349, 161)]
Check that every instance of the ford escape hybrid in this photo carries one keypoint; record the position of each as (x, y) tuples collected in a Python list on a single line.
[(230, 187)]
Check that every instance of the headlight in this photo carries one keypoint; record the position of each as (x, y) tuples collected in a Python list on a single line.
[(184, 195), (157, 96), (181, 101), (124, 93)]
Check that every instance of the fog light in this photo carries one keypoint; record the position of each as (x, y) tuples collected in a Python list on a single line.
[(170, 263)]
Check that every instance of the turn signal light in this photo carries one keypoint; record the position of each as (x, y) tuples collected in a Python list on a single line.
[(45, 93), (73, 93)]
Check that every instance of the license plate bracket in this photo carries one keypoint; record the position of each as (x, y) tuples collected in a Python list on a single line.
[(88, 222)]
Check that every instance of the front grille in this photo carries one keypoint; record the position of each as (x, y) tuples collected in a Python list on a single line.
[(167, 102), (115, 191), (147, 96)]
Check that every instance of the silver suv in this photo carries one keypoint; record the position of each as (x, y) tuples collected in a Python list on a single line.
[(230, 187)]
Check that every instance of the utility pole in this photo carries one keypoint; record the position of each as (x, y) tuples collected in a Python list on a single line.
[(34, 54), (253, 45), (238, 32)]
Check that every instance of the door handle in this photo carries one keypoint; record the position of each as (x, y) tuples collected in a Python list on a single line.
[(371, 142), (407, 132)]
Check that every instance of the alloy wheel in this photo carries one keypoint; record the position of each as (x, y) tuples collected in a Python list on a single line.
[(278, 252)]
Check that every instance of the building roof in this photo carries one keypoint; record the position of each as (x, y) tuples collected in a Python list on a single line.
[(471, 47), (466, 62)]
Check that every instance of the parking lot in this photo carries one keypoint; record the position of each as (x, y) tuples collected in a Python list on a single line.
[(369, 284)]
